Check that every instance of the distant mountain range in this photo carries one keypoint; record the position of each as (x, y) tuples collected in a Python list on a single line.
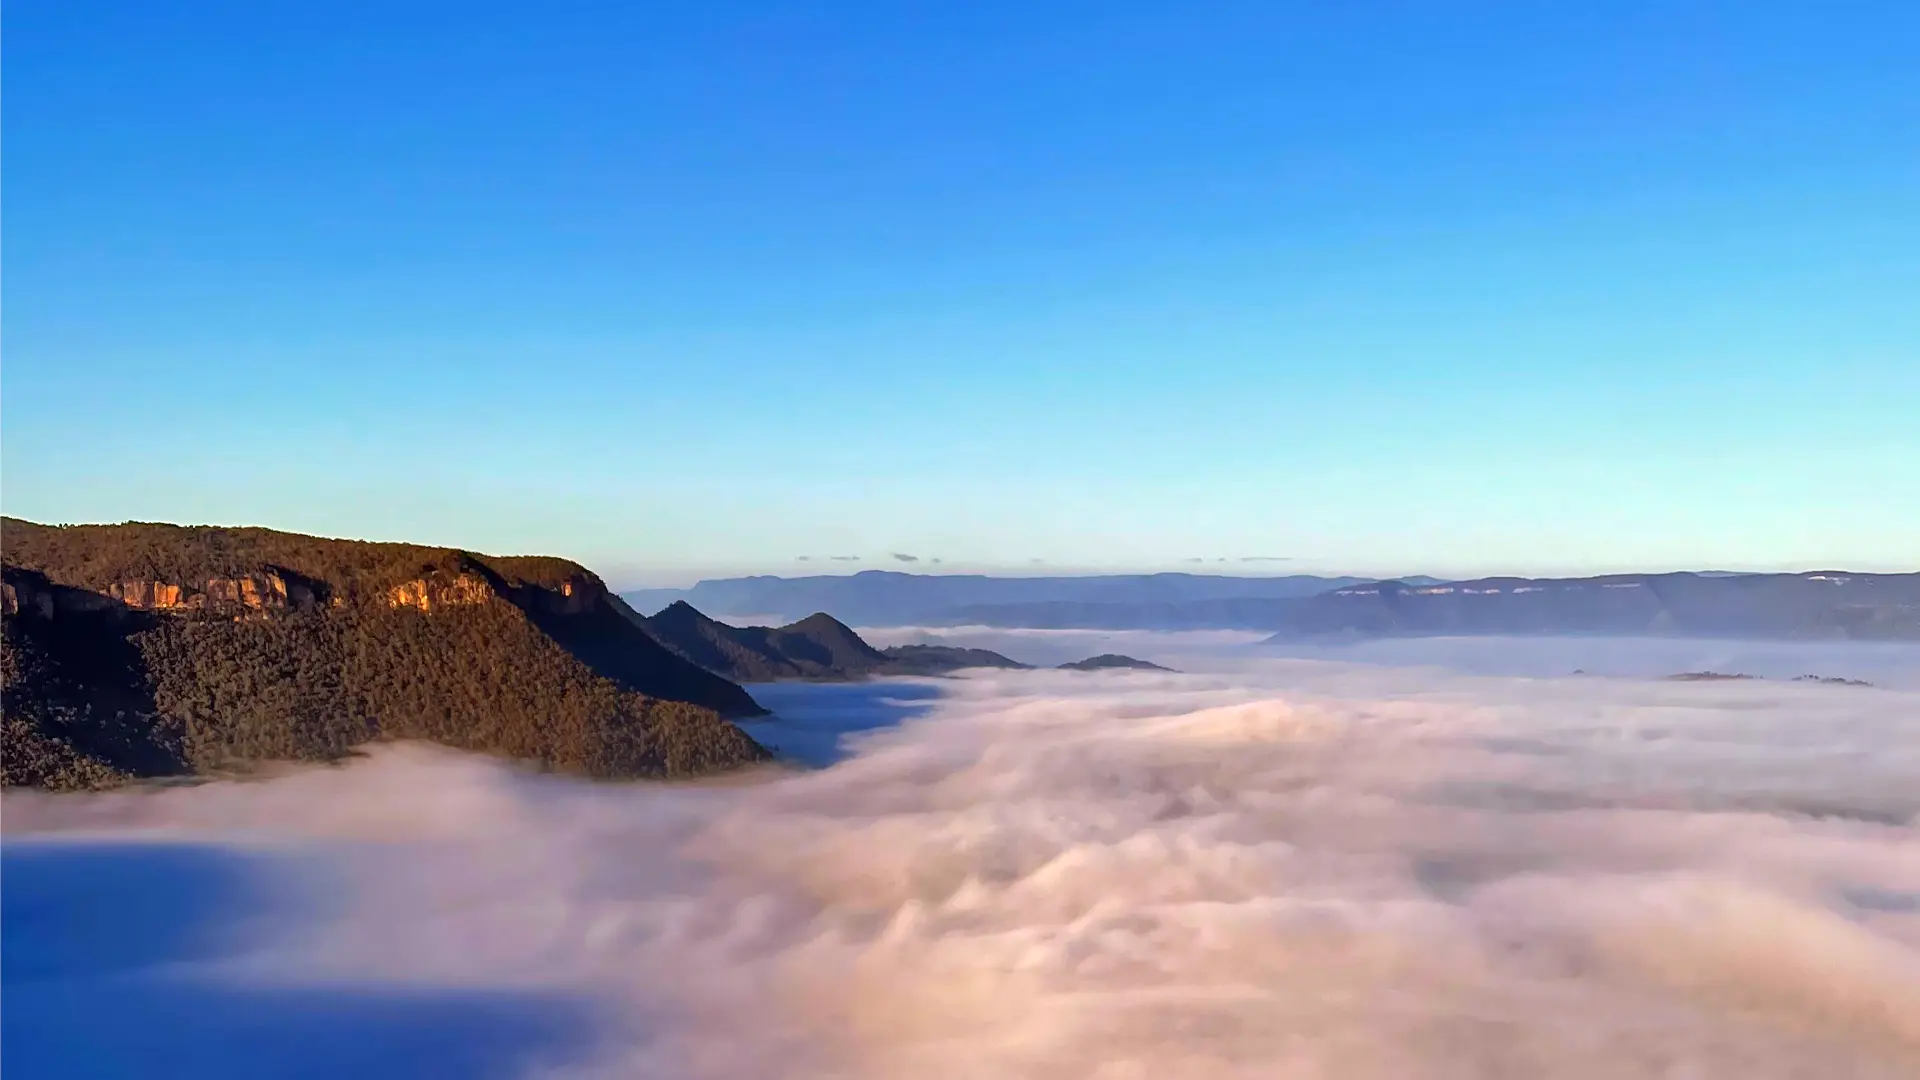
[(1825, 604), (816, 647), (887, 598), (1816, 605), (1112, 662), (820, 647)]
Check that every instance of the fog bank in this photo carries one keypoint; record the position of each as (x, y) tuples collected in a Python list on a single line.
[(1291, 868)]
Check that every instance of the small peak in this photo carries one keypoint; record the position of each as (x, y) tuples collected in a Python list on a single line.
[(1108, 661), (680, 609), (819, 620)]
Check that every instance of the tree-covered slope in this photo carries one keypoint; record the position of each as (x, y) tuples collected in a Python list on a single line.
[(152, 650)]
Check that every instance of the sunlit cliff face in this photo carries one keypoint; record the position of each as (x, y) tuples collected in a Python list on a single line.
[(271, 591), (262, 591), (454, 591), (1292, 869)]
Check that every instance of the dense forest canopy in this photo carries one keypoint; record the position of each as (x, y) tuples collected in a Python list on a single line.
[(97, 556), (98, 690)]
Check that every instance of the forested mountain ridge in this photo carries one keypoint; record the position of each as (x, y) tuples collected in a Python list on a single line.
[(818, 647), (150, 650), (815, 648)]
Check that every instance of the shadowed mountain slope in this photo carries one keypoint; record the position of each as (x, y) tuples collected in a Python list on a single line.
[(816, 647)]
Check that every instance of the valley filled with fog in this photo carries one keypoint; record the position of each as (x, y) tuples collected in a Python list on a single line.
[(786, 541), (1893, 664), (1423, 858)]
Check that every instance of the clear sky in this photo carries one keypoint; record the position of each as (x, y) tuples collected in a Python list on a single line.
[(690, 288)]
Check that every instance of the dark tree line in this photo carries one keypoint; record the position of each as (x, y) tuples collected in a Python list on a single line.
[(97, 556)]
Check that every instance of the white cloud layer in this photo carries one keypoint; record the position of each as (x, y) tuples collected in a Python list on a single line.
[(1295, 869)]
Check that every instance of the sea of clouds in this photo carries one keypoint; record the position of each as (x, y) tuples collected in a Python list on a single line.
[(1265, 867)]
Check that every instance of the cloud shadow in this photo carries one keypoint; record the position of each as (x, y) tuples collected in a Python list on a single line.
[(99, 952), (817, 724)]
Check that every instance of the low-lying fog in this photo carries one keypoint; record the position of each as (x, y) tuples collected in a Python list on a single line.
[(1389, 862), (1893, 664)]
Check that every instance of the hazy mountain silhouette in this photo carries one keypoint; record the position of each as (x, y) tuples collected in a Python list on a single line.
[(889, 598), (940, 659), (1826, 604), (1816, 605), (1111, 662), (817, 647)]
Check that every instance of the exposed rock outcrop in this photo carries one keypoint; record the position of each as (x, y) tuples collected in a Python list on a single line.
[(146, 650), (439, 593), (265, 590)]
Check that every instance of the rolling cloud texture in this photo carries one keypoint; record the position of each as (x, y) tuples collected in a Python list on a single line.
[(1282, 867)]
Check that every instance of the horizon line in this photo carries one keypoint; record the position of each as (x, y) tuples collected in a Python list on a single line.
[(1323, 575)]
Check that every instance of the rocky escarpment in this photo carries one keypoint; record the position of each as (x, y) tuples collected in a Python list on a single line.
[(578, 593), (267, 590), (423, 595), (144, 650)]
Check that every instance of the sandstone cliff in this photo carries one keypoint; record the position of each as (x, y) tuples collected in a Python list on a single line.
[(149, 649)]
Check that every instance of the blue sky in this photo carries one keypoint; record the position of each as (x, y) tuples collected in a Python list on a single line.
[(683, 289)]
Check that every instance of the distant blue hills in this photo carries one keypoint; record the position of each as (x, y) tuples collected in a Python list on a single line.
[(1816, 604), (889, 598)]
